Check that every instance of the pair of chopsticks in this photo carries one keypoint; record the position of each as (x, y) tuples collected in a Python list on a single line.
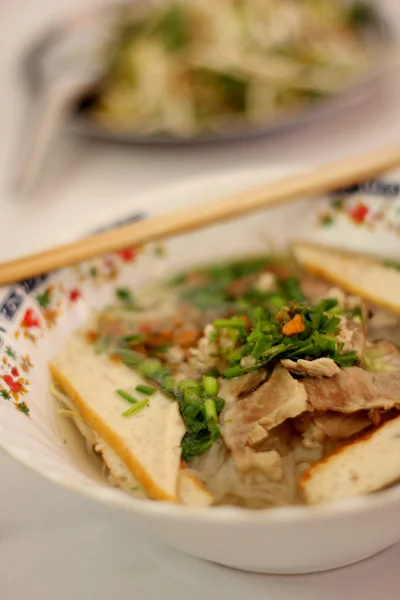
[(309, 183)]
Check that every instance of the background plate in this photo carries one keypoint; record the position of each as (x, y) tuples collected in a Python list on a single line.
[(61, 44)]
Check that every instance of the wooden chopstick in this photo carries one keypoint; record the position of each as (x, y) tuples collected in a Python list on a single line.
[(316, 181)]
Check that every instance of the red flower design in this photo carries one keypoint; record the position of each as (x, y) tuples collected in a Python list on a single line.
[(127, 254), (14, 386), (359, 212), (30, 319), (74, 294), (14, 372)]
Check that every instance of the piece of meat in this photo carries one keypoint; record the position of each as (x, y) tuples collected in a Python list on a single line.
[(237, 288), (269, 463), (314, 288), (256, 435), (243, 385), (265, 282), (316, 428), (284, 398), (353, 389), (353, 335), (320, 367), (312, 436), (337, 426), (345, 300), (384, 325), (280, 398), (368, 464)]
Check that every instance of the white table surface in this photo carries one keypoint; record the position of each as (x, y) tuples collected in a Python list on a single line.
[(55, 545)]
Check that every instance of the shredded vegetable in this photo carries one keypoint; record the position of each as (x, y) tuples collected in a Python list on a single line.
[(185, 67)]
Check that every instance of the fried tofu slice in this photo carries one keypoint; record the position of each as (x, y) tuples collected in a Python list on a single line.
[(367, 464), (148, 442), (370, 278), (191, 490)]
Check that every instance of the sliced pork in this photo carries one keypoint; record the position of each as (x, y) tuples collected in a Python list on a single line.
[(353, 336), (320, 367), (281, 397), (353, 389), (337, 426)]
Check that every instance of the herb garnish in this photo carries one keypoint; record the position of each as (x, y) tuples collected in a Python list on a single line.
[(126, 396), (198, 401), (173, 28), (145, 389), (101, 345), (267, 326), (126, 298), (392, 264), (361, 14), (213, 291), (291, 288), (268, 341), (135, 408)]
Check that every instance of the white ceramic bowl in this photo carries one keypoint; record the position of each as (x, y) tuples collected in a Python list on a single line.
[(37, 315)]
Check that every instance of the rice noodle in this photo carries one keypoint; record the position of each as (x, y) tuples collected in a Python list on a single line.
[(217, 470)]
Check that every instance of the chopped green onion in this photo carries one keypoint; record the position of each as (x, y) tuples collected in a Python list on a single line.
[(178, 279), (101, 346), (210, 410), (132, 338), (135, 408), (168, 382), (219, 403), (145, 389), (191, 396), (348, 359), (210, 385), (392, 264), (161, 349), (232, 372), (188, 384), (126, 396), (291, 288), (125, 296), (159, 250), (357, 314), (214, 335), (360, 14), (129, 357), (229, 324), (173, 28), (150, 366), (213, 373), (277, 301), (336, 310)]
